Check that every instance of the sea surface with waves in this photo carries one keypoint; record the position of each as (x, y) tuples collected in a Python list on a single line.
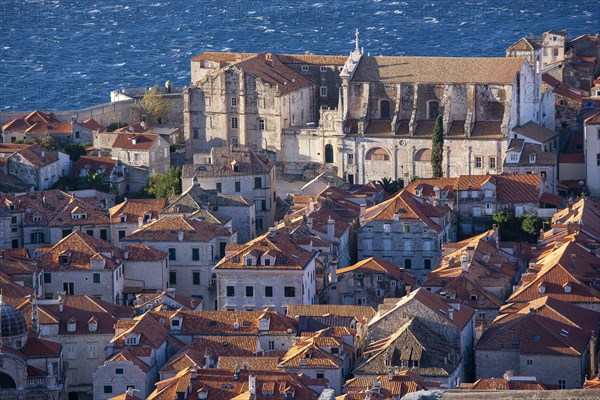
[(66, 54)]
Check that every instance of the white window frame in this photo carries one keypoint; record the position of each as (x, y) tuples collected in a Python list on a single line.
[(323, 68), (323, 91), (234, 123)]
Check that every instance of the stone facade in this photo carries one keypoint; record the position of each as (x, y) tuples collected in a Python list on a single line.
[(592, 153)]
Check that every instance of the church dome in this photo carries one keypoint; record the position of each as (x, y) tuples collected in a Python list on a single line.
[(12, 321)]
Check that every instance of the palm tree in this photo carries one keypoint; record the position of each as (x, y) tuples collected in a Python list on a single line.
[(97, 181), (390, 186)]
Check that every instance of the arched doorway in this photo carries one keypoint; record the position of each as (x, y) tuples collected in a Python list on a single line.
[(6, 382), (328, 154)]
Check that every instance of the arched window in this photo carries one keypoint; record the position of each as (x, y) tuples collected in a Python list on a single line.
[(378, 154), (423, 155), (433, 109), (6, 382), (328, 154), (385, 109)]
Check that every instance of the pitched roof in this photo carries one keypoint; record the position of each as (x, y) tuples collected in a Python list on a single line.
[(427, 70), (168, 227), (94, 164), (507, 384), (531, 333), (135, 141), (408, 207), (92, 124), (412, 341), (35, 154), (272, 71), (435, 303), (525, 44), (142, 252), (83, 309), (223, 160), (132, 209), (312, 350), (378, 265), (279, 248), (536, 132), (362, 313), (81, 250), (223, 322)]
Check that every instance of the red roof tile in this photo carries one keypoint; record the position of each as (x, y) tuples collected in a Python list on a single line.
[(135, 141)]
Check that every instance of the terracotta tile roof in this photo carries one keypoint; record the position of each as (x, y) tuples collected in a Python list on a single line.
[(214, 347), (249, 363), (471, 293), (531, 333), (284, 253), (132, 209), (541, 157), (135, 141), (507, 384), (36, 155), (168, 227), (223, 160), (518, 188), (377, 265), (582, 210), (536, 132), (142, 252), (435, 303), (138, 127), (312, 350), (362, 313), (40, 128), (221, 384), (592, 118), (223, 322), (551, 199), (397, 387), (38, 122), (80, 251), (10, 289), (93, 164), (593, 383), (272, 71), (408, 207), (127, 355), (446, 186), (427, 70), (152, 333), (92, 125), (83, 309), (125, 396), (314, 59), (37, 347), (557, 310), (221, 56)]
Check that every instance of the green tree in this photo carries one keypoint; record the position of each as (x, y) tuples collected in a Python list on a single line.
[(97, 181), (501, 217), (391, 186), (75, 151), (532, 224), (165, 185), (437, 147), (153, 105), (47, 142)]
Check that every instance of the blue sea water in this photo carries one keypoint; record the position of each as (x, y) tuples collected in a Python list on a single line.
[(65, 54)]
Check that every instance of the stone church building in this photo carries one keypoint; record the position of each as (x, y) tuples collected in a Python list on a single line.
[(364, 117)]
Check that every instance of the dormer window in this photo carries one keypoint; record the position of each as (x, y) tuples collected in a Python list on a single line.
[(132, 340), (11, 206), (37, 218), (123, 218), (71, 324), (63, 259), (176, 323), (542, 288), (532, 158), (567, 287), (249, 261), (79, 216), (92, 326), (418, 192)]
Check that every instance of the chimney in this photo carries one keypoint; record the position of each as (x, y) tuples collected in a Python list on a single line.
[(61, 304), (330, 229), (126, 255), (464, 263), (236, 372), (333, 271), (272, 232), (206, 361), (396, 216), (252, 384), (180, 236), (236, 325), (592, 350), (363, 208), (140, 222), (43, 153), (390, 374), (407, 288), (194, 372), (451, 313), (309, 223)]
